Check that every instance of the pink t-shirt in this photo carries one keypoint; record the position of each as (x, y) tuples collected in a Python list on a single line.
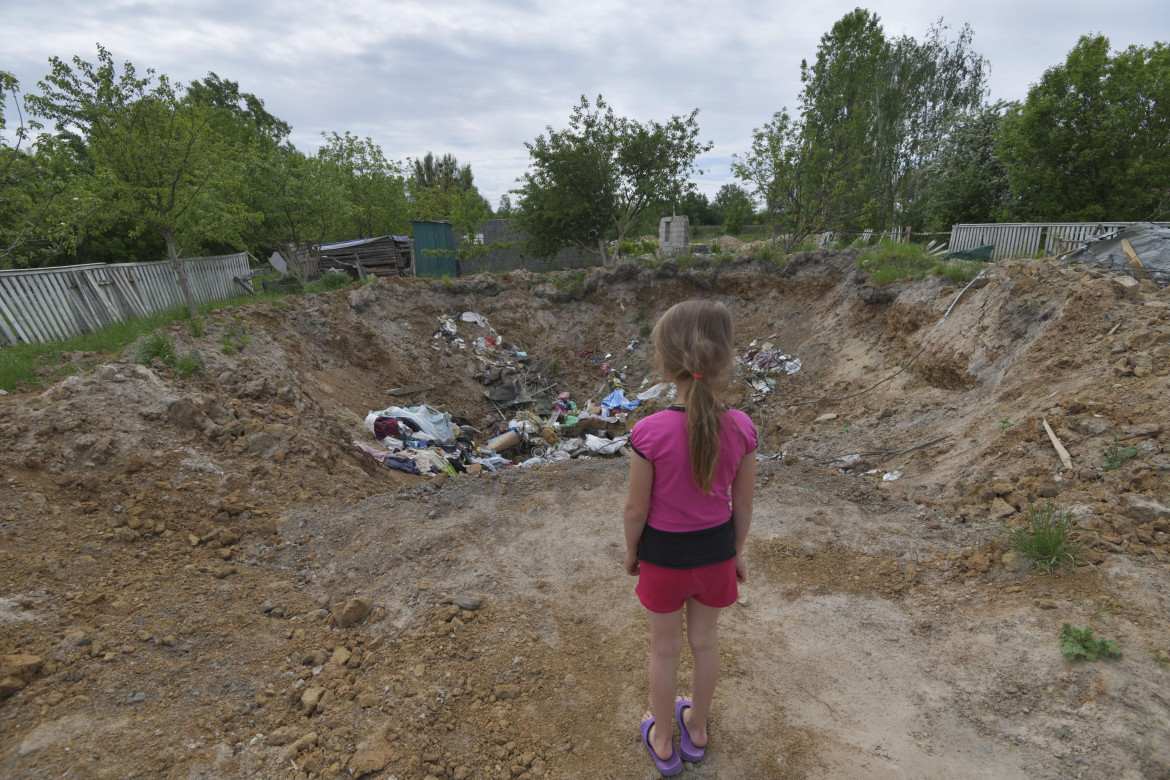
[(676, 503)]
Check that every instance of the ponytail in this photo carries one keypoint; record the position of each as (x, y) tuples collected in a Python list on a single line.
[(694, 339), (703, 421)]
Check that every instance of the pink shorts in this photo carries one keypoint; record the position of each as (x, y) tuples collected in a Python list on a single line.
[(666, 590)]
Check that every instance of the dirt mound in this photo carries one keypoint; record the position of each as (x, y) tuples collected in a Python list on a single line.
[(187, 564)]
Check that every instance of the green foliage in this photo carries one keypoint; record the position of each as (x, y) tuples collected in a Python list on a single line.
[(589, 183), (331, 280), (1117, 455), (890, 262), (156, 345), (188, 364), (195, 327), (735, 207), (1044, 538), (1089, 143), (1004, 424), (1080, 643), (574, 285), (964, 181), (637, 248), (872, 110), (644, 331)]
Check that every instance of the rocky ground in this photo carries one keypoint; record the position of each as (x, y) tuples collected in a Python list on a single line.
[(202, 577)]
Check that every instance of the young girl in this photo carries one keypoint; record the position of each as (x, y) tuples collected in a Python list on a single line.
[(686, 518)]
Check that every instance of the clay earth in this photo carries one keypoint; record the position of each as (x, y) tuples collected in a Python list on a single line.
[(202, 578)]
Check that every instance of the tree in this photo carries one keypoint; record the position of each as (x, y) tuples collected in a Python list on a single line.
[(34, 176), (965, 182), (505, 210), (587, 184), (1092, 140), (771, 167), (734, 206), (374, 188), (441, 189), (153, 157), (871, 112)]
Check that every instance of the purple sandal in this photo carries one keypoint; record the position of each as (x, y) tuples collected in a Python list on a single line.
[(666, 767), (686, 748)]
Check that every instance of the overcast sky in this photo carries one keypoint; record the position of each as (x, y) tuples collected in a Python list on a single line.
[(478, 78)]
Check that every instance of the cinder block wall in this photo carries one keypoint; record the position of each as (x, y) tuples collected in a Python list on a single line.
[(674, 235)]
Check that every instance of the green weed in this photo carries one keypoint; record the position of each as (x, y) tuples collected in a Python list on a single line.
[(1160, 659), (1116, 456), (195, 328), (1080, 643), (1044, 538), (156, 345), (191, 363), (1004, 424), (644, 331)]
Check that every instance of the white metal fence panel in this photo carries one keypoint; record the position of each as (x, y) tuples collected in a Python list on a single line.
[(1027, 239), (51, 304)]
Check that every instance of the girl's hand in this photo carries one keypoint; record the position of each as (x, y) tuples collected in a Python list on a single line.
[(740, 570), (631, 563)]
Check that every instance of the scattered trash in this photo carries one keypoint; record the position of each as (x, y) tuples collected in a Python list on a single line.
[(657, 391), (600, 446), (757, 364), (478, 319), (617, 400), (891, 476), (1140, 250)]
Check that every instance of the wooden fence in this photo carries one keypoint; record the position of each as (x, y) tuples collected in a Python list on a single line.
[(1027, 239), (50, 304)]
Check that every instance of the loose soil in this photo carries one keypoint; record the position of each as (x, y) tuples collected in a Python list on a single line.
[(202, 577)]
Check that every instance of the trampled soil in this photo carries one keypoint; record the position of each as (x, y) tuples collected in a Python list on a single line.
[(180, 558)]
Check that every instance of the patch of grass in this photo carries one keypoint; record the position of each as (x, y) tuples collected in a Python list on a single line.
[(890, 262), (1160, 659), (189, 364), (574, 285), (1044, 538), (156, 345), (1004, 424), (1080, 643), (236, 339), (1117, 456), (644, 331), (195, 327)]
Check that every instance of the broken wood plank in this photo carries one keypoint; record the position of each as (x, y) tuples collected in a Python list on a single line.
[(1131, 255), (410, 390), (1060, 450)]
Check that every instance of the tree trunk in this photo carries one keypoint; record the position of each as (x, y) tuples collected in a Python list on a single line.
[(180, 273)]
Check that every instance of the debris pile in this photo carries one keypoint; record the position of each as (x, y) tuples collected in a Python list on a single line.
[(759, 365), (1141, 250)]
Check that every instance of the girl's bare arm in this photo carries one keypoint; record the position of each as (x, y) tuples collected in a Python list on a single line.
[(742, 490)]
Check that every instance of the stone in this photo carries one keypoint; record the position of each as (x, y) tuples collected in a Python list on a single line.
[(305, 742), (21, 665), (1000, 509), (311, 698), (1143, 509), (372, 755), (10, 685), (341, 656), (284, 735), (826, 417), (1015, 561), (470, 603), (352, 611), (1125, 286), (505, 692), (474, 470)]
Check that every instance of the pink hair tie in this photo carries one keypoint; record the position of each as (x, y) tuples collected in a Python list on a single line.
[(696, 376)]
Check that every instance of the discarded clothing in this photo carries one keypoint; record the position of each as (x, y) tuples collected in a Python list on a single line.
[(386, 426), (617, 400), (657, 391), (432, 424), (389, 459)]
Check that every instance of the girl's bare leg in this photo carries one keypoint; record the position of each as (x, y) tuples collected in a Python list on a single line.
[(666, 638), (703, 637)]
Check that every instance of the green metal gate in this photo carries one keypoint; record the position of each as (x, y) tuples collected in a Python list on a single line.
[(434, 249)]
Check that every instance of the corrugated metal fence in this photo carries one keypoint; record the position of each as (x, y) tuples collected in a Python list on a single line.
[(49, 304), (1026, 239)]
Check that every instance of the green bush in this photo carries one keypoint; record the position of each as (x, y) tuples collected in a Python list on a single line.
[(332, 280), (890, 262), (1044, 538), (1080, 643)]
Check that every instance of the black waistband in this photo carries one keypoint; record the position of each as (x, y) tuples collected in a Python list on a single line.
[(687, 549)]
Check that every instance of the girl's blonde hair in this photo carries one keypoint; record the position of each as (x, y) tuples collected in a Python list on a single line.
[(693, 339)]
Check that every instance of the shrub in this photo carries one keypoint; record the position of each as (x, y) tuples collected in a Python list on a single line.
[(1044, 538), (889, 262)]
